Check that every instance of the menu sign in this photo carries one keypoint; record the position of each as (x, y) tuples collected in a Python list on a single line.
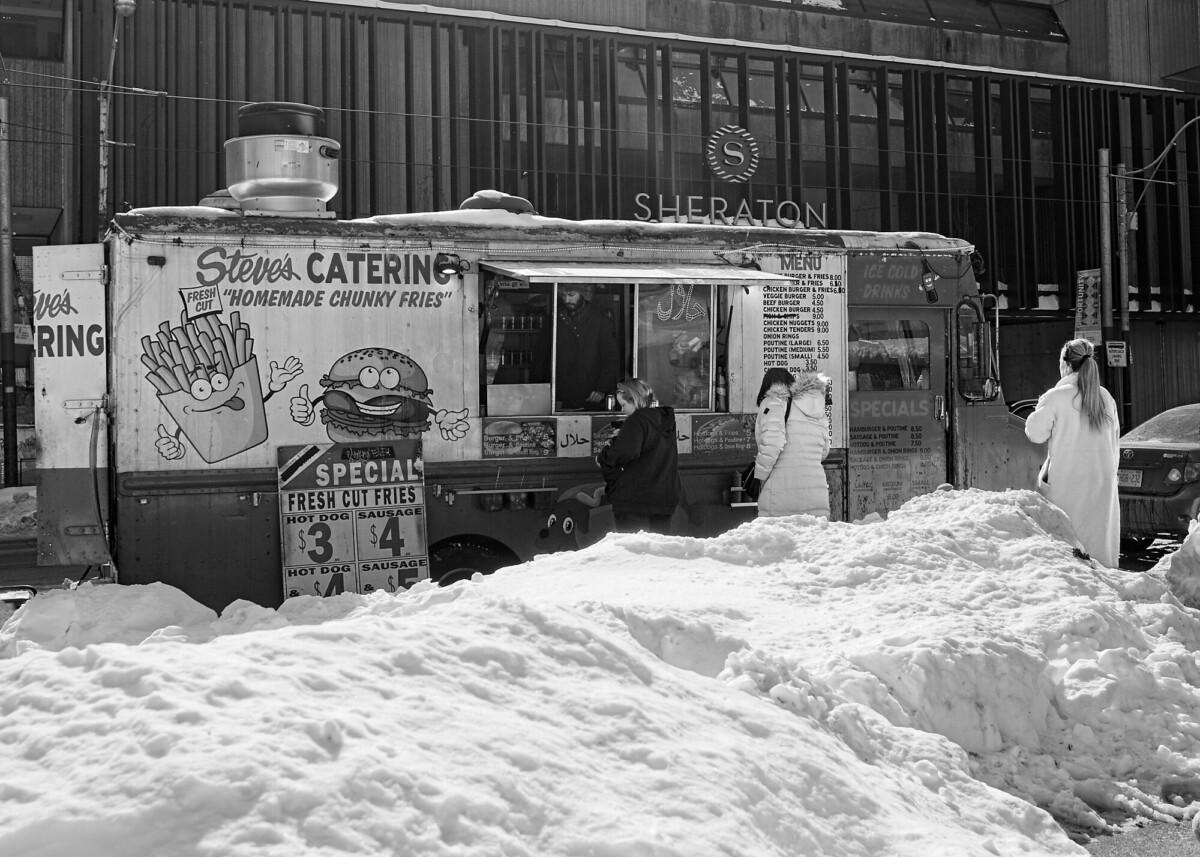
[(893, 460), (352, 517), (723, 433), (804, 324), (519, 438)]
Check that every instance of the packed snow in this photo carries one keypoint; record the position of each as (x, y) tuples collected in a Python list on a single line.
[(948, 681), (18, 513)]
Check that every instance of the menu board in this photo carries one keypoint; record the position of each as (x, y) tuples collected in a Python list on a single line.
[(804, 324), (516, 437), (352, 517), (724, 433), (893, 461), (604, 429)]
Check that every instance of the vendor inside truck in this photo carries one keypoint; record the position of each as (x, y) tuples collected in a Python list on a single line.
[(586, 364)]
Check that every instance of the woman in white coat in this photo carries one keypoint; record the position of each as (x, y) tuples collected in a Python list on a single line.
[(789, 456), (1079, 418)]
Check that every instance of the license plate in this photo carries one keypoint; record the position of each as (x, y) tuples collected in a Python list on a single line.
[(1129, 478)]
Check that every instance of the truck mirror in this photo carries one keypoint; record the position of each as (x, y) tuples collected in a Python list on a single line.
[(987, 391), (978, 365)]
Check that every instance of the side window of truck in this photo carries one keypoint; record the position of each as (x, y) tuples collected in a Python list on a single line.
[(888, 355)]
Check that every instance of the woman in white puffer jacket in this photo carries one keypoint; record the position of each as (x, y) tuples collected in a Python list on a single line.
[(789, 456)]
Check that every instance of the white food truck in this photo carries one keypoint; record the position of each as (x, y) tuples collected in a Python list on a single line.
[(270, 402)]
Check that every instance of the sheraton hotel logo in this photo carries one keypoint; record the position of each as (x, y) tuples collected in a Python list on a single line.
[(732, 154)]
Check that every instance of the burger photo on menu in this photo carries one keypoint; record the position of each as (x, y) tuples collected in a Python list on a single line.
[(525, 438)]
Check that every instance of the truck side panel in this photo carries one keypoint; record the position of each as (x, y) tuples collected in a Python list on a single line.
[(232, 340), (230, 519), (993, 452), (289, 328), (72, 424)]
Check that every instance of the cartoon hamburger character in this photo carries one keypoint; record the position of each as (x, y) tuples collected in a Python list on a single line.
[(376, 394)]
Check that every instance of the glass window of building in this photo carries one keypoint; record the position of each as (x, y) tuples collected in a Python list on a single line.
[(31, 29)]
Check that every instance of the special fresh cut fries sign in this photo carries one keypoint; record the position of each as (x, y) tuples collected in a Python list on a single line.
[(352, 518)]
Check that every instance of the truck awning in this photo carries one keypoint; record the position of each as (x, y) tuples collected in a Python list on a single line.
[(559, 272)]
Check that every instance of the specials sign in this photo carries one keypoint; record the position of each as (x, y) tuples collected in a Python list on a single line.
[(352, 517)]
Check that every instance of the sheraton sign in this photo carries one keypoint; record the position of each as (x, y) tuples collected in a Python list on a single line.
[(716, 209), (732, 155)]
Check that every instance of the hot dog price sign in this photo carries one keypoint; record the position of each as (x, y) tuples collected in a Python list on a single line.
[(352, 517)]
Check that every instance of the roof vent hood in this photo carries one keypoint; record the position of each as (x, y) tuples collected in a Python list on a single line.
[(281, 163)]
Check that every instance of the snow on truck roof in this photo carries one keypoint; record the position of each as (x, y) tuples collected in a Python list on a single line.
[(489, 225)]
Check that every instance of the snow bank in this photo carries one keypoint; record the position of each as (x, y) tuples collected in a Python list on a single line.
[(922, 685)]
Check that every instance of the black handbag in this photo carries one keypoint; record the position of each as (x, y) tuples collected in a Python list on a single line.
[(751, 484)]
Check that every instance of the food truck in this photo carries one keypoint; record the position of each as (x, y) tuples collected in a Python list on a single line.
[(270, 402)]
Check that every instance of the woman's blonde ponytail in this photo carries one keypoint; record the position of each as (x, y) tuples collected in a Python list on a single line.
[(1080, 356)]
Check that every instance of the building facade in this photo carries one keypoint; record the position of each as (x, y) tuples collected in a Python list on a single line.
[(988, 120)]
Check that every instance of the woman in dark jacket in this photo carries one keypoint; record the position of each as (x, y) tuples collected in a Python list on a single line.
[(641, 464)]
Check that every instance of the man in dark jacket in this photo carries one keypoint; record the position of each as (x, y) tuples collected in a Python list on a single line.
[(641, 464), (586, 355)]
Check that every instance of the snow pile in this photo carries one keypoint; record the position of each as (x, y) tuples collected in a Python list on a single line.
[(18, 513), (913, 686), (1071, 685), (1182, 568)]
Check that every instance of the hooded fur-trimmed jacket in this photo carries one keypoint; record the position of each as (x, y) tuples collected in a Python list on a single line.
[(789, 457)]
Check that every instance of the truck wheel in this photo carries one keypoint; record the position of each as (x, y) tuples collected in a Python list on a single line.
[(455, 561)]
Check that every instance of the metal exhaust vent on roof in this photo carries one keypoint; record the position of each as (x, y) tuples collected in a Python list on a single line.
[(281, 163)]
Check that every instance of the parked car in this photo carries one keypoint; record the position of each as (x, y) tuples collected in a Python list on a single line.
[(1022, 409), (1158, 477)]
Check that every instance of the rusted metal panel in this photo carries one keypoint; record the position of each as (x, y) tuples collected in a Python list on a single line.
[(235, 527), (998, 456), (72, 521)]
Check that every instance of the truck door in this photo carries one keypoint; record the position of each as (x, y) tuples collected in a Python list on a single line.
[(897, 388), (70, 379)]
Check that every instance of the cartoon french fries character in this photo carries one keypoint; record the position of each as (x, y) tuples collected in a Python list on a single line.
[(207, 379)]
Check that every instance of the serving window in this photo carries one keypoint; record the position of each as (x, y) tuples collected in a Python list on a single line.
[(674, 343), (562, 347)]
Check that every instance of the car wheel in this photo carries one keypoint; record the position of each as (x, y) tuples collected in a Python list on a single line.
[(458, 560), (1136, 544)]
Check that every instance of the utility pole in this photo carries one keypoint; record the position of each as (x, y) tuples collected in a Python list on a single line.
[(1124, 401), (1126, 223), (123, 8), (8, 350), (1106, 272)]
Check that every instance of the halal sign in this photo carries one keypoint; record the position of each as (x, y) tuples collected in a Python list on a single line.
[(732, 154)]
